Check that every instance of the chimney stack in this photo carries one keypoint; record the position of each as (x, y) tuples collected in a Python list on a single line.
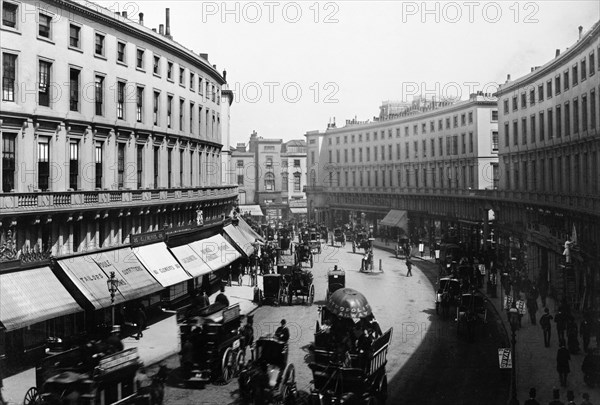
[(141, 18), (557, 53), (580, 31), (154, 29), (124, 14), (508, 77), (161, 29), (168, 24)]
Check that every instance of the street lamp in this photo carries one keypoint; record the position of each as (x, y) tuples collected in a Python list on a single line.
[(513, 317), (112, 283)]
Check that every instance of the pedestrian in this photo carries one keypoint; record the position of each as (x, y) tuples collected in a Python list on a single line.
[(2, 401), (532, 395), (571, 398), (532, 308), (572, 336), (282, 333), (561, 325), (556, 398), (585, 330), (187, 358), (546, 326), (204, 301), (140, 320), (222, 298), (562, 364), (543, 289), (586, 399), (409, 267)]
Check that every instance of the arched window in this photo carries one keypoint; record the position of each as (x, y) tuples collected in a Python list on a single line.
[(313, 178), (269, 181)]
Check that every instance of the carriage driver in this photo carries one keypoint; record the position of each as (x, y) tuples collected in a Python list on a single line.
[(283, 333)]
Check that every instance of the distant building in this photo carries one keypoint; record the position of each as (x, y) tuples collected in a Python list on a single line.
[(271, 173)]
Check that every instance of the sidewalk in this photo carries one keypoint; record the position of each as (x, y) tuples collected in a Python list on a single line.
[(160, 341), (536, 364)]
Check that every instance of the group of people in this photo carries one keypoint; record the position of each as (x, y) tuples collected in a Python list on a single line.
[(532, 400)]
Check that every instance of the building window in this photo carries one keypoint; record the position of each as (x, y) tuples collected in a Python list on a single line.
[(523, 100), (120, 165), (406, 150), (284, 181), (170, 70), (99, 95), (192, 107), (549, 89), (506, 135), (121, 100), (192, 81), (463, 120), (121, 51), (532, 124), (542, 127), (566, 80), (514, 103), (550, 124), (592, 64), (180, 167), (9, 74), (463, 142), (155, 107), (494, 140), (269, 181), (423, 128), (575, 116), (73, 165), (541, 92), (139, 105), (74, 36), (140, 165), (169, 110), (44, 84), (9, 14), (515, 133), (140, 59), (575, 76), (557, 87), (558, 122), (240, 179), (8, 162), (44, 29), (455, 121), (169, 167), (567, 119), (98, 159), (156, 65), (592, 109), (200, 87), (532, 97), (43, 166), (494, 116), (213, 94), (181, 107), (99, 49), (74, 89), (181, 76), (156, 155), (524, 131)]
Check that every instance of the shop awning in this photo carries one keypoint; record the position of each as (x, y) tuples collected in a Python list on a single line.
[(396, 218), (239, 239), (157, 259), (134, 280), (91, 280), (252, 210), (300, 210), (248, 232), (191, 261), (215, 251), (31, 296)]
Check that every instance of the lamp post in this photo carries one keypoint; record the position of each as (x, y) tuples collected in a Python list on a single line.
[(513, 317), (112, 283)]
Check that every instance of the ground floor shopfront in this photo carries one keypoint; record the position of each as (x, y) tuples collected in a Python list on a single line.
[(71, 298)]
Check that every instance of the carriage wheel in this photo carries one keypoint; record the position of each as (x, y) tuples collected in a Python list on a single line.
[(311, 294), (288, 383), (227, 365), (32, 397), (240, 359)]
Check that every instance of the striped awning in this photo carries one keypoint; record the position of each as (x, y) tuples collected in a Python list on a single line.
[(248, 232), (239, 239), (300, 210), (159, 262), (31, 296), (190, 261), (252, 210), (396, 218), (215, 251)]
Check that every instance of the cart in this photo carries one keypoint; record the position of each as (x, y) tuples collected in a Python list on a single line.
[(275, 289), (348, 373), (361, 241), (84, 375), (303, 253), (447, 295), (300, 283), (268, 379), (336, 279), (214, 337), (314, 241), (471, 313), (339, 237)]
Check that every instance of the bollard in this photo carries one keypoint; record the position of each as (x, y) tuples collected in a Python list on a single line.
[(380, 267)]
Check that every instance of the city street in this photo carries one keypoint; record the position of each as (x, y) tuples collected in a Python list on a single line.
[(427, 361)]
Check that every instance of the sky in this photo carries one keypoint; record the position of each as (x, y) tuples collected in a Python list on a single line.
[(295, 65)]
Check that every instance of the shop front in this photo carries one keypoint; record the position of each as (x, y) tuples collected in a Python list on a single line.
[(218, 254)]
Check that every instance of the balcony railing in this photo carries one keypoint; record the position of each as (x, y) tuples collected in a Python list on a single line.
[(21, 203)]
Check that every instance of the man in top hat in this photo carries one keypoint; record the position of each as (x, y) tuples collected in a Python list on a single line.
[(282, 333), (532, 395), (114, 341)]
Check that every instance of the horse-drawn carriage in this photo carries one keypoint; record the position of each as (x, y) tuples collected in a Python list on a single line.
[(350, 353), (268, 378), (303, 253), (470, 313), (81, 376), (314, 241), (299, 283), (339, 237), (336, 279), (448, 294), (275, 289), (361, 241), (211, 344), (367, 262)]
